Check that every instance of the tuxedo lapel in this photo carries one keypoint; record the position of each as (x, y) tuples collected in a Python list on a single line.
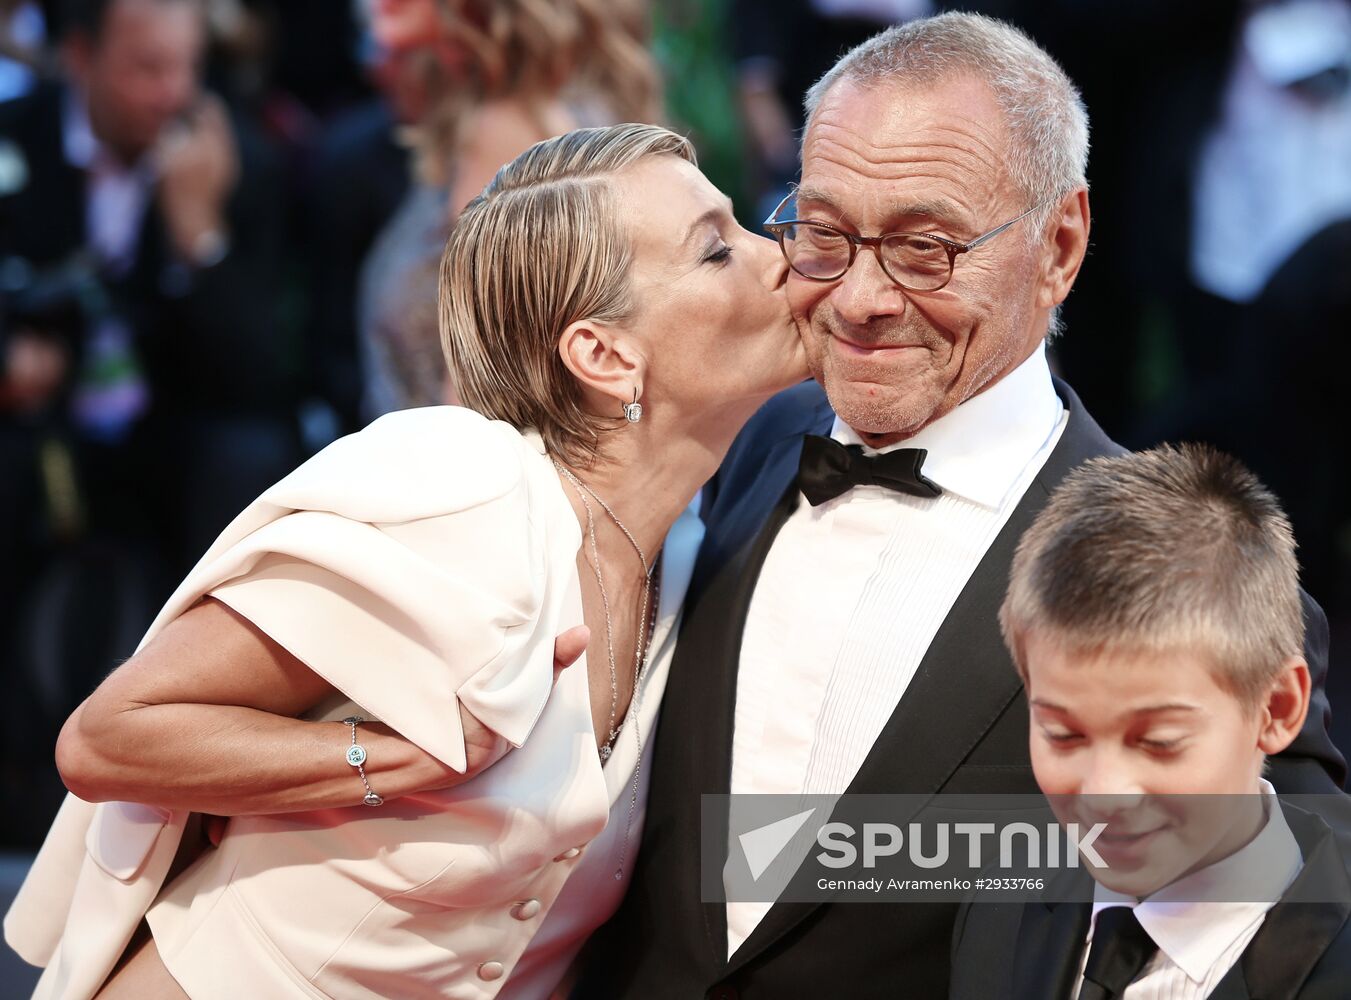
[(1295, 934), (730, 594), (1050, 946), (702, 695), (962, 685), (1232, 987), (965, 679)]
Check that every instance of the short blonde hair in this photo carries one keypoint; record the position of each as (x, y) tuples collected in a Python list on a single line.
[(540, 249), (1176, 548)]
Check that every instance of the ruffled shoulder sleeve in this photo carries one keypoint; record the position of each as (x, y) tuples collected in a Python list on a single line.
[(425, 562)]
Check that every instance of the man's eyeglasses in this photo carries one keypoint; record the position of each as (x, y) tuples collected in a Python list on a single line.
[(920, 262)]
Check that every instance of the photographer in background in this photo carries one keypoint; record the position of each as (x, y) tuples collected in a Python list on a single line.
[(144, 393)]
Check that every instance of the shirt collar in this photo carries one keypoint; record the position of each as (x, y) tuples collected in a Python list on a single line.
[(84, 150), (1195, 932), (77, 135), (980, 449)]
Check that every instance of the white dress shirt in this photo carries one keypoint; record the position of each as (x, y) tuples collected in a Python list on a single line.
[(116, 194), (853, 592), (110, 392), (1200, 941)]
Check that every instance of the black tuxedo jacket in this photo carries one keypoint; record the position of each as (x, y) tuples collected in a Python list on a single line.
[(1303, 949), (960, 727)]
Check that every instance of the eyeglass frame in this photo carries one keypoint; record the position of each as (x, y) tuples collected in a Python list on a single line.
[(953, 247)]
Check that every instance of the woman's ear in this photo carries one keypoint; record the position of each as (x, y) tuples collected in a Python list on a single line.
[(1287, 703), (606, 363)]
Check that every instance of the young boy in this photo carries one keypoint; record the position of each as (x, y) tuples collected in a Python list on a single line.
[(1153, 613)]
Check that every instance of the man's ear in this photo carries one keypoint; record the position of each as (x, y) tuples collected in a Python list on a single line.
[(1285, 706), (608, 364), (1067, 243)]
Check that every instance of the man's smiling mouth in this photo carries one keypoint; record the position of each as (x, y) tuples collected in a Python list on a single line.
[(868, 350)]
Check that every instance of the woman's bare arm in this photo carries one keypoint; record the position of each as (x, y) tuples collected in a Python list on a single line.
[(202, 719)]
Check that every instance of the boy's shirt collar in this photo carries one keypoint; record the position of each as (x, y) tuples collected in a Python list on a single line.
[(1195, 932)]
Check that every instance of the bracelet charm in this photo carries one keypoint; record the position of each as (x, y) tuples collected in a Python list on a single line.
[(356, 756)]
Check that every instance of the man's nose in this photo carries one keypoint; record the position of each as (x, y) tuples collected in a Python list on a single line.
[(865, 292)]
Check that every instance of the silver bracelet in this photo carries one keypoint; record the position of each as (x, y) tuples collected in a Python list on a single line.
[(356, 756)]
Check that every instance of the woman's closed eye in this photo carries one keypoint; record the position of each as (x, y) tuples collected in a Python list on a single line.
[(719, 254)]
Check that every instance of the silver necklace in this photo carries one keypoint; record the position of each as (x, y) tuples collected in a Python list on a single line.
[(646, 627)]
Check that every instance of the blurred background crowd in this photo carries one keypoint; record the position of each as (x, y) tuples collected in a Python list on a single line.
[(220, 224)]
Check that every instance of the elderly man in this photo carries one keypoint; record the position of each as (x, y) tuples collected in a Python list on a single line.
[(841, 632)]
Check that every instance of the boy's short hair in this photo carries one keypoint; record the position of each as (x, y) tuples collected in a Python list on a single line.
[(1172, 548)]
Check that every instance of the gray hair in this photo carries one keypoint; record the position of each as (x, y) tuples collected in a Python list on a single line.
[(1161, 550), (1047, 123)]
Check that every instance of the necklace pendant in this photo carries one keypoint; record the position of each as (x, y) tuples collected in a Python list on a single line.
[(605, 753)]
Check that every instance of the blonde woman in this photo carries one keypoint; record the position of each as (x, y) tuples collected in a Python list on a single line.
[(499, 75), (613, 327)]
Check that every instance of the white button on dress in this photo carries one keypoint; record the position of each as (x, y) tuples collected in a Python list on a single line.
[(489, 971), (526, 909)]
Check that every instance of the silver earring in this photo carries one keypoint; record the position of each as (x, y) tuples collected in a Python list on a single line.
[(633, 412)]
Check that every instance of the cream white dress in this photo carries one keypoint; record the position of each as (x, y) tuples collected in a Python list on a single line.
[(426, 562)]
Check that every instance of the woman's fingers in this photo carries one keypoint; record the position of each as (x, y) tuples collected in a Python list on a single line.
[(214, 828), (568, 647), (482, 746)]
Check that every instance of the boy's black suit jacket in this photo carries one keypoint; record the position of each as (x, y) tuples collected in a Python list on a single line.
[(960, 727), (1303, 949)]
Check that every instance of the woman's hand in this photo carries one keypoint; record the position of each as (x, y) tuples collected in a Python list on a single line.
[(482, 746), (203, 719)]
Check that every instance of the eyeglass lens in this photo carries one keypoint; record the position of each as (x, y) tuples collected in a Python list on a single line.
[(911, 259)]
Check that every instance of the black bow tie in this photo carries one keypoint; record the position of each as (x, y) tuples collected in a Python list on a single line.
[(828, 468)]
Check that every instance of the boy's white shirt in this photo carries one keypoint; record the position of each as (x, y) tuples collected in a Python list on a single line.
[(1200, 940)]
